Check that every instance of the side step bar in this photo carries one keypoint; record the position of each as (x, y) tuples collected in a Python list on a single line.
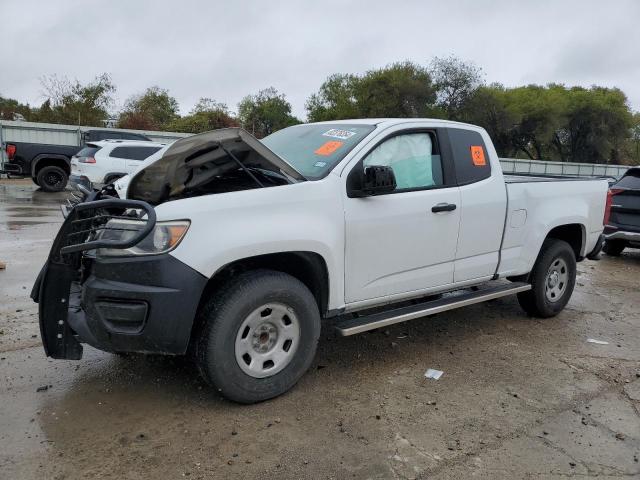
[(351, 326)]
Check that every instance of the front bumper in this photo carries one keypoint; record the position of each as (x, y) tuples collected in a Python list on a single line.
[(136, 304), (119, 304)]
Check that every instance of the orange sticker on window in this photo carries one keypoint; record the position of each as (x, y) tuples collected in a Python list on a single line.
[(328, 148), (477, 155)]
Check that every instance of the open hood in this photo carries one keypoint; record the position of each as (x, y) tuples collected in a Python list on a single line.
[(193, 163)]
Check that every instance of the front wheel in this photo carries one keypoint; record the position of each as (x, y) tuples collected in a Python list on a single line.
[(52, 179), (259, 336), (552, 280)]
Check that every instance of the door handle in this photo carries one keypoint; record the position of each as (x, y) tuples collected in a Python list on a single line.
[(443, 207)]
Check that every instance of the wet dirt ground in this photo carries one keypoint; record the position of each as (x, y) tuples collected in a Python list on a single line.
[(520, 397)]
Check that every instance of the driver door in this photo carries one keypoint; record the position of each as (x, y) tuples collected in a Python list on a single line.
[(403, 241)]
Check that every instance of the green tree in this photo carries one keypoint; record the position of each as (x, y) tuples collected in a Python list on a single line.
[(538, 114), (72, 103), (487, 107), (11, 109), (265, 112), (336, 99), (632, 153), (455, 82), (154, 109), (206, 115), (401, 89), (598, 122)]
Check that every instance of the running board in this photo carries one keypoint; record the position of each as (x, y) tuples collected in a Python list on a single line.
[(351, 326)]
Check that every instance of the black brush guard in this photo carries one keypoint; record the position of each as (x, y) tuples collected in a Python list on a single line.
[(66, 264)]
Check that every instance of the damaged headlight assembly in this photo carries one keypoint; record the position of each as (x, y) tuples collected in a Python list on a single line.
[(164, 237)]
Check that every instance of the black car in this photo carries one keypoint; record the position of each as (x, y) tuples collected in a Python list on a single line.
[(49, 165), (622, 218)]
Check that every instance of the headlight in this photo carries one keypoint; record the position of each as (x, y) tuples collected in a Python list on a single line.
[(163, 238)]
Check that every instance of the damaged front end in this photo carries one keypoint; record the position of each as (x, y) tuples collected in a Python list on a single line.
[(58, 288), (219, 161), (110, 280)]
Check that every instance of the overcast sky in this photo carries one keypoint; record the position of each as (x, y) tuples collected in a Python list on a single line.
[(197, 49)]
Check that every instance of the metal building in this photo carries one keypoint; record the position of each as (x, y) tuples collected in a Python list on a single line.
[(53, 134)]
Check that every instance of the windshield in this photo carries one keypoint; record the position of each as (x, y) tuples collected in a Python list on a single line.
[(314, 149)]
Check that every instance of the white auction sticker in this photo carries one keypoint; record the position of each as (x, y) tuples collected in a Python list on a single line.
[(341, 134)]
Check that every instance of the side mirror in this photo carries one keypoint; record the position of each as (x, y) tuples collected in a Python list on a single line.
[(378, 179)]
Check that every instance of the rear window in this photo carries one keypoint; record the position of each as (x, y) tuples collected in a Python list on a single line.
[(88, 151), (96, 135), (469, 156), (630, 180), (134, 153)]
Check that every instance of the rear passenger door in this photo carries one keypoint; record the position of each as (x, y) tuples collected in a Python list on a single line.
[(133, 155), (483, 201)]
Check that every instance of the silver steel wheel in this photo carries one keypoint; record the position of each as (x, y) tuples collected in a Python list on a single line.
[(267, 340), (556, 280)]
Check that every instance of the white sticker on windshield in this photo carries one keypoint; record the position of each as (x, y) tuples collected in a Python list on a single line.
[(320, 164), (341, 134)]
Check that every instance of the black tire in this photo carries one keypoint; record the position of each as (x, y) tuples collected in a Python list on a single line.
[(52, 179), (222, 317), (536, 301), (614, 248)]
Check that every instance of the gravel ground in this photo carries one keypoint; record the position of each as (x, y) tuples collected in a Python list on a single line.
[(520, 397)]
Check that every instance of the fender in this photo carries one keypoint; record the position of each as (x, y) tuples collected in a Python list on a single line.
[(113, 174), (47, 156)]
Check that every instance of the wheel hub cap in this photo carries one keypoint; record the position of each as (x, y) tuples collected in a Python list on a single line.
[(267, 340), (556, 280), (264, 338)]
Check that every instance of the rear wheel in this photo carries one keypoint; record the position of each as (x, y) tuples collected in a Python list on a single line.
[(552, 280), (52, 179), (614, 247), (259, 336)]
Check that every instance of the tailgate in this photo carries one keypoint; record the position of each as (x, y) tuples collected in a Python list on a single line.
[(625, 209)]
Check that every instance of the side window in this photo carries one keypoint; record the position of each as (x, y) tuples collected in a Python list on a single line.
[(120, 152), (109, 135), (414, 158), (134, 153), (132, 136), (470, 156)]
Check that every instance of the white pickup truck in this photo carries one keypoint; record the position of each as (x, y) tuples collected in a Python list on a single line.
[(237, 250)]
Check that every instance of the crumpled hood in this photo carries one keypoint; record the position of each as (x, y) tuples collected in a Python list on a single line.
[(194, 160)]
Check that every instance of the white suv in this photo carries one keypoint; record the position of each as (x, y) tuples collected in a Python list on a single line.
[(100, 163)]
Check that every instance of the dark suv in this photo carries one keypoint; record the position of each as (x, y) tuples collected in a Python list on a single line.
[(622, 221)]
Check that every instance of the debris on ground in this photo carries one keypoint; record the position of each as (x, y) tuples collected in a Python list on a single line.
[(3, 265), (434, 374), (597, 342), (42, 388)]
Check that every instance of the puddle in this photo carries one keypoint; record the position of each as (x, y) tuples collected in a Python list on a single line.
[(25, 206)]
